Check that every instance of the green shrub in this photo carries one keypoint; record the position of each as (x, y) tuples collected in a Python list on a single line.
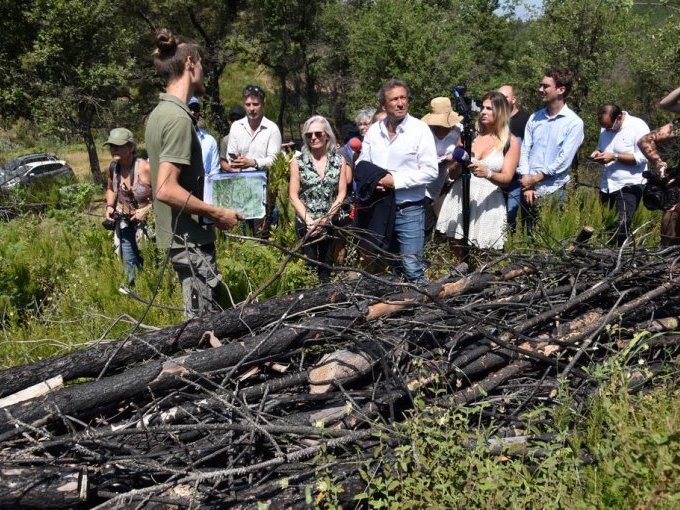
[(582, 208), (443, 461)]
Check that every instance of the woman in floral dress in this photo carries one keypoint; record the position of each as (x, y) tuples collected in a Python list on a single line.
[(318, 185)]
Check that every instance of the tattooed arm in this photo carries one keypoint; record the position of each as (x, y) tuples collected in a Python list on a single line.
[(648, 144), (671, 102)]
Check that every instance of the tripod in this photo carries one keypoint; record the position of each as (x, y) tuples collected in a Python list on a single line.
[(463, 109)]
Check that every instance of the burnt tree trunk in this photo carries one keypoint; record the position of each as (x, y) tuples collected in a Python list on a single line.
[(85, 115)]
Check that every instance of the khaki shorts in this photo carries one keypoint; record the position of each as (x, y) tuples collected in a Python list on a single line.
[(197, 271)]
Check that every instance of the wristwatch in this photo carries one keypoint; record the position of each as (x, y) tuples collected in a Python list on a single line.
[(616, 156)]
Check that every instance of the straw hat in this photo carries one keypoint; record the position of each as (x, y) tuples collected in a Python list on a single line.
[(441, 113)]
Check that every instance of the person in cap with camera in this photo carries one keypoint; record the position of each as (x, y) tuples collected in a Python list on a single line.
[(622, 182), (211, 155), (670, 222), (128, 197), (236, 112)]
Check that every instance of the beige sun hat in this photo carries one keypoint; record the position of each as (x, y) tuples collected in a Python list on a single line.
[(441, 113)]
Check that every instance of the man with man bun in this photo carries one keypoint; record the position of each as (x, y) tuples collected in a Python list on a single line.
[(177, 177)]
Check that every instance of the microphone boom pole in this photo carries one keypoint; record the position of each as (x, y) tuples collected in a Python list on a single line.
[(464, 110)]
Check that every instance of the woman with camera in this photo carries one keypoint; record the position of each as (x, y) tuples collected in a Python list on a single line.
[(128, 197), (318, 185)]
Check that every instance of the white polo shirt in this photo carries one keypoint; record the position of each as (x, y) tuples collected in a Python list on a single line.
[(617, 175)]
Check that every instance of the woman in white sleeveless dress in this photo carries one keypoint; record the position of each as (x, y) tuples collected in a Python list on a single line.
[(495, 157)]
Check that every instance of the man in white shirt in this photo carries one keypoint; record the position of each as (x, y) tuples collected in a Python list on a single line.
[(622, 182), (254, 142), (403, 145)]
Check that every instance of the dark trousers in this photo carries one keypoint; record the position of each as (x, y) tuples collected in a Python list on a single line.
[(318, 248), (625, 201), (670, 229), (530, 213)]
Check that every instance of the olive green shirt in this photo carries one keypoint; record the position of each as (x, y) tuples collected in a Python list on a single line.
[(171, 137)]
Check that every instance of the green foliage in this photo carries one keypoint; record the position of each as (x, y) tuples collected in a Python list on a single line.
[(284, 232), (246, 265), (411, 40), (59, 278), (557, 223), (444, 463)]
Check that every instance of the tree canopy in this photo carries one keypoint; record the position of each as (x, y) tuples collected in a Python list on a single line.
[(76, 68)]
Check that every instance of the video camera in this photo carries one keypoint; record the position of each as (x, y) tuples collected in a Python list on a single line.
[(659, 194), (118, 217)]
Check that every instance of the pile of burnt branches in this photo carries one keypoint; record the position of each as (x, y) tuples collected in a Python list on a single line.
[(240, 407)]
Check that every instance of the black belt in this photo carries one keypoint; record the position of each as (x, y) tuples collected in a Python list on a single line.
[(403, 205)]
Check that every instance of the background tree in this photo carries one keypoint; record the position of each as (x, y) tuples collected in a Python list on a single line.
[(211, 24), (17, 38), (82, 57), (286, 41)]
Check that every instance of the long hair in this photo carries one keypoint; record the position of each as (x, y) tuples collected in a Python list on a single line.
[(502, 110), (330, 136), (171, 52)]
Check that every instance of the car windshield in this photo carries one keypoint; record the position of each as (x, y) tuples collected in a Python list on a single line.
[(14, 171), (13, 165)]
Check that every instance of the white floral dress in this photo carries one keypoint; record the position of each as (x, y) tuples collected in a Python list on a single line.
[(488, 213)]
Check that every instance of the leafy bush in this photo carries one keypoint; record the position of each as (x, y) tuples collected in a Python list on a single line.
[(443, 461)]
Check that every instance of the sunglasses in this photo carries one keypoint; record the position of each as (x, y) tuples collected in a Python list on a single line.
[(253, 90), (315, 134)]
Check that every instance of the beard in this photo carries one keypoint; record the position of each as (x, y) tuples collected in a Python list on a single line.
[(199, 89)]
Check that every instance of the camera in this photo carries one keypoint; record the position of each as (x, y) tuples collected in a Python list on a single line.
[(658, 193), (118, 217)]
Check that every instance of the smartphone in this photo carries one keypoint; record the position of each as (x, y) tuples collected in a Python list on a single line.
[(232, 155)]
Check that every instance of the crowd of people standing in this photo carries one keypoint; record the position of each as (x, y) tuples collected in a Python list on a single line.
[(400, 177)]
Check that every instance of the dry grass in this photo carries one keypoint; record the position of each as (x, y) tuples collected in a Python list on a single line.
[(80, 162)]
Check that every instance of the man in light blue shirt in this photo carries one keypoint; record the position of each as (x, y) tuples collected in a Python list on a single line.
[(211, 155), (551, 140)]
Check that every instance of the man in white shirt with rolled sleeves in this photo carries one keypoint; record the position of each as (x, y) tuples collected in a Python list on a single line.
[(622, 182), (403, 145), (254, 142)]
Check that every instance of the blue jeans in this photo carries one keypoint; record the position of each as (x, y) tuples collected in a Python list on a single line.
[(513, 198), (408, 238), (129, 252)]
